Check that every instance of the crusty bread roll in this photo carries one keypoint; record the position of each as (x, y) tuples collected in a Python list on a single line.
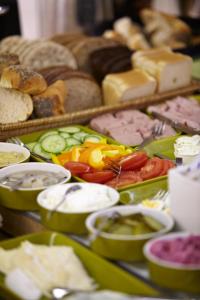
[(7, 59), (171, 70), (50, 102), (127, 86), (23, 79), (14, 106)]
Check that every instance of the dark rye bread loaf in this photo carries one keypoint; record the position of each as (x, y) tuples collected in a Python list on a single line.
[(110, 60), (85, 47), (82, 91)]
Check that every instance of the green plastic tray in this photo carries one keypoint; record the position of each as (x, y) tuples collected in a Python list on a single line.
[(106, 274), (162, 146), (144, 191)]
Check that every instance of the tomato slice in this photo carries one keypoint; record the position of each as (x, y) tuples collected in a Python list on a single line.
[(153, 168), (125, 178), (133, 161), (99, 176), (77, 168), (165, 168)]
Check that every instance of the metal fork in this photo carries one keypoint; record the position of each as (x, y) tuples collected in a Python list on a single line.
[(157, 130), (15, 140), (159, 195), (113, 166)]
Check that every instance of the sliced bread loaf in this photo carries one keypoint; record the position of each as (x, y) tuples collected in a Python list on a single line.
[(14, 106), (127, 86), (82, 91)]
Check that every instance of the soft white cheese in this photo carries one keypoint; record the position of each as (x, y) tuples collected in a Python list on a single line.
[(90, 197), (187, 145)]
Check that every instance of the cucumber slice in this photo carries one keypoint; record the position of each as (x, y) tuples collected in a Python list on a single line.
[(52, 132), (92, 138), (80, 136), (30, 146), (72, 142), (53, 144), (65, 135), (69, 129), (38, 149)]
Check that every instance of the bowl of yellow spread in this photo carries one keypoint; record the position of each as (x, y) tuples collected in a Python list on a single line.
[(12, 154)]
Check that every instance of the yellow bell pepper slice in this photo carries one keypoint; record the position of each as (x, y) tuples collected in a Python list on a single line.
[(55, 159), (75, 153), (96, 159)]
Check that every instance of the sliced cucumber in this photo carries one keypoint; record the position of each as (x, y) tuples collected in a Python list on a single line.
[(72, 142), (80, 136), (38, 149), (65, 135), (69, 129), (30, 146), (52, 132), (53, 144), (92, 138)]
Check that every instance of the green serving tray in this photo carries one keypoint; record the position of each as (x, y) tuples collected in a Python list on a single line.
[(162, 146), (146, 190), (106, 274)]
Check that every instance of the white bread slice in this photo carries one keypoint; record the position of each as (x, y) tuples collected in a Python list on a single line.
[(171, 70), (127, 86), (14, 106)]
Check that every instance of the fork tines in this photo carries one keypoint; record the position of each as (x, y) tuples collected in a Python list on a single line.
[(113, 166)]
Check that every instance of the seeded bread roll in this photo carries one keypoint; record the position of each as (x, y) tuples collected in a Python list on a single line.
[(23, 79), (7, 59), (14, 106), (51, 102)]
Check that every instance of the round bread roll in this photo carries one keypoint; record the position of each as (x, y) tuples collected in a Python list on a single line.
[(23, 79)]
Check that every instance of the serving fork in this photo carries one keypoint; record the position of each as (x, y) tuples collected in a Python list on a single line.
[(157, 130), (15, 140)]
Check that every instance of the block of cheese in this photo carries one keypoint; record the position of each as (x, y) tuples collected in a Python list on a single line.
[(127, 86), (171, 70)]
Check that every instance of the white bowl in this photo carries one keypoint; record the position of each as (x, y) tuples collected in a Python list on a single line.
[(8, 147)]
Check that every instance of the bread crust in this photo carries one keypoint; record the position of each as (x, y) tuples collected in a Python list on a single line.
[(50, 102), (23, 79)]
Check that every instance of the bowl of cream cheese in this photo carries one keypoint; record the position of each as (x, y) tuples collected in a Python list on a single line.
[(65, 211)]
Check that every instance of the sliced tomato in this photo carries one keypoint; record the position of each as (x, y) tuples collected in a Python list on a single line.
[(133, 161), (99, 176), (165, 168), (153, 168), (77, 168), (168, 164), (125, 178)]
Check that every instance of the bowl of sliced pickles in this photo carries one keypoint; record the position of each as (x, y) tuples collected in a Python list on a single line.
[(121, 232)]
